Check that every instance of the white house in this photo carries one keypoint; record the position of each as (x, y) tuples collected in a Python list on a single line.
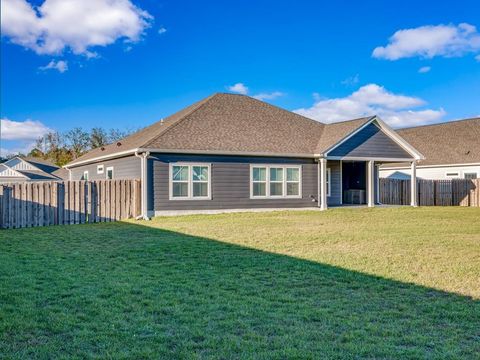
[(20, 169)]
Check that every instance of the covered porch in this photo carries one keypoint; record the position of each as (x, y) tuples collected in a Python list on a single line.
[(356, 159), (354, 182)]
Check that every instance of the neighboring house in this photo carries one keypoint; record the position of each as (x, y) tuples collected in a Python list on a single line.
[(21, 168), (234, 152), (452, 151)]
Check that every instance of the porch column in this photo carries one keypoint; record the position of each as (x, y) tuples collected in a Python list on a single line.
[(323, 184), (413, 184), (370, 184)]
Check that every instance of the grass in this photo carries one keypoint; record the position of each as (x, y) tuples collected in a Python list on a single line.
[(346, 283)]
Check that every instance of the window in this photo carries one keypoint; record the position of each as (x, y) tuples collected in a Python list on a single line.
[(470, 176), (109, 175), (329, 182), (275, 181), (190, 182), (259, 181), (100, 169), (452, 174), (85, 175)]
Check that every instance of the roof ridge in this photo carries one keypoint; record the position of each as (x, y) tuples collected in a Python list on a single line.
[(356, 119), (280, 108), (178, 121), (447, 122)]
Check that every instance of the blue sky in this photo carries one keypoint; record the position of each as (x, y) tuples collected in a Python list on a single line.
[(143, 60)]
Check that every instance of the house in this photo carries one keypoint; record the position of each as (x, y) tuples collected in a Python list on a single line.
[(235, 152), (452, 151), (21, 168)]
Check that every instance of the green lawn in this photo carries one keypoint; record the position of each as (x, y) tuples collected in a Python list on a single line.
[(346, 283)]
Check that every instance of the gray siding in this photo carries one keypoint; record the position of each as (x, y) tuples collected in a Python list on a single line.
[(336, 187), (370, 142), (123, 168), (231, 183)]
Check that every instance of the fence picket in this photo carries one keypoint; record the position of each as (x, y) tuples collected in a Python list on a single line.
[(459, 192), (31, 204)]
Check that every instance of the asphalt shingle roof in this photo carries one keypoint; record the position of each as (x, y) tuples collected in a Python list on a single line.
[(454, 142), (234, 123)]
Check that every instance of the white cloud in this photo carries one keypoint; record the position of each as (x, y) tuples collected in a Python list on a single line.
[(59, 65), (241, 88), (22, 130), (373, 99), (268, 96), (238, 88), (57, 25), (430, 41), (352, 80), (22, 148), (477, 57), (162, 30), (424, 69)]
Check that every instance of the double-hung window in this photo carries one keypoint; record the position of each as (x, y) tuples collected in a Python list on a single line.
[(190, 181), (275, 181)]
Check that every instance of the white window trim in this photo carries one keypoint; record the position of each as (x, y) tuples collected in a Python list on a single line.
[(106, 172), (190, 182), (85, 172), (329, 182), (100, 169), (267, 185)]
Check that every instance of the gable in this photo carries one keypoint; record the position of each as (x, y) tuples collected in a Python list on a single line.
[(19, 164), (371, 141), (8, 172)]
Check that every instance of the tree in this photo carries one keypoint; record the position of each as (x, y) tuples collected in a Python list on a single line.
[(98, 138), (115, 134), (64, 148), (78, 141)]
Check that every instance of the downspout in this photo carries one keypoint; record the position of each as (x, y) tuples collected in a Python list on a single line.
[(143, 184), (318, 183)]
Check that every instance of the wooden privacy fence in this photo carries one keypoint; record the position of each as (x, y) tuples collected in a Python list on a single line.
[(458, 192), (31, 204)]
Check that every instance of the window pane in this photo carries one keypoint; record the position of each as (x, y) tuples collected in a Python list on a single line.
[(259, 189), (110, 174), (200, 189), (293, 189), (200, 173), (180, 173), (259, 174), (293, 175), (276, 189), (180, 189), (276, 174)]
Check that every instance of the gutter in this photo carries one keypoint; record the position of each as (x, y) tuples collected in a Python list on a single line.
[(183, 151)]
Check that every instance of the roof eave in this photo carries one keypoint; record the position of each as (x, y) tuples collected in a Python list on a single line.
[(184, 151)]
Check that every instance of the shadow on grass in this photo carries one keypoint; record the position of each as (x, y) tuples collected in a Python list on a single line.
[(123, 290)]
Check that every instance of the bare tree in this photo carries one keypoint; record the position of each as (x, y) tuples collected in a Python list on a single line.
[(78, 141)]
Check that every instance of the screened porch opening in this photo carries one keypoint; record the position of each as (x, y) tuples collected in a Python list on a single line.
[(354, 182)]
